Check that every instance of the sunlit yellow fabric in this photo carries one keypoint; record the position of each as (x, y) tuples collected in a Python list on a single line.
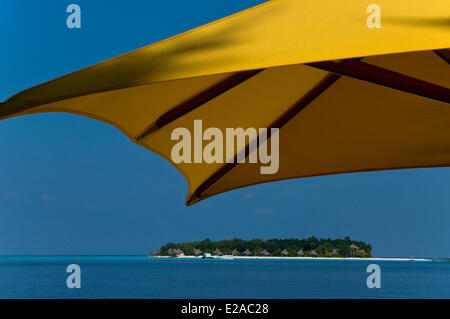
[(353, 126)]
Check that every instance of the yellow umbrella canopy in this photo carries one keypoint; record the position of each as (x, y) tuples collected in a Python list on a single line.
[(352, 87)]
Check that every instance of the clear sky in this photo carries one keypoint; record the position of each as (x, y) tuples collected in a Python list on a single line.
[(72, 185)]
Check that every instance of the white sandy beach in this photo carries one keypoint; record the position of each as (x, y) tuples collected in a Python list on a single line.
[(299, 258)]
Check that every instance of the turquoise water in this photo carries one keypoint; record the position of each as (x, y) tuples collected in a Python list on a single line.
[(142, 277)]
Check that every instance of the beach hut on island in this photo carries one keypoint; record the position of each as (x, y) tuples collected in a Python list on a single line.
[(285, 253), (179, 252), (247, 252), (235, 252), (300, 253), (334, 252), (172, 252), (265, 253), (313, 253), (353, 249), (217, 252), (197, 252)]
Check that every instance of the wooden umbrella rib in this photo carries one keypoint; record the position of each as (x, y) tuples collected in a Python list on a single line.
[(306, 99), (444, 54), (374, 74), (354, 68), (198, 100)]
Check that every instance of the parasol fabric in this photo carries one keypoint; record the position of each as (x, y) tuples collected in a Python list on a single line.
[(346, 97)]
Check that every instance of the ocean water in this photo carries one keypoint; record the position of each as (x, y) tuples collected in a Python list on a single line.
[(142, 277)]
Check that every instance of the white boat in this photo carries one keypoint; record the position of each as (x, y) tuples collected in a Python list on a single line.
[(227, 257)]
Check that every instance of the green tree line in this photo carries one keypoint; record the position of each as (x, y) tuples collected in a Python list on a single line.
[(273, 247)]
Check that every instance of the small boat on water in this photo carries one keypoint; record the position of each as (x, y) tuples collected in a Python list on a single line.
[(227, 257), (210, 256), (411, 258)]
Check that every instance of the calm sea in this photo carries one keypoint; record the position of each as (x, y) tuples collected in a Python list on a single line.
[(141, 277)]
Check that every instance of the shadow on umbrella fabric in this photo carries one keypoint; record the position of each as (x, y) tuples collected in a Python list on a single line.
[(341, 97)]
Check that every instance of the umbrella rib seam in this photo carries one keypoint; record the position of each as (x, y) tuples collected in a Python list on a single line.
[(198, 100), (296, 108), (387, 78), (444, 54)]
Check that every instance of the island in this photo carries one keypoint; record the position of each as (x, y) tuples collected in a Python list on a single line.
[(289, 248)]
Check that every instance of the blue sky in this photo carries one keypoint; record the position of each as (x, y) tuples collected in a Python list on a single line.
[(72, 185)]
